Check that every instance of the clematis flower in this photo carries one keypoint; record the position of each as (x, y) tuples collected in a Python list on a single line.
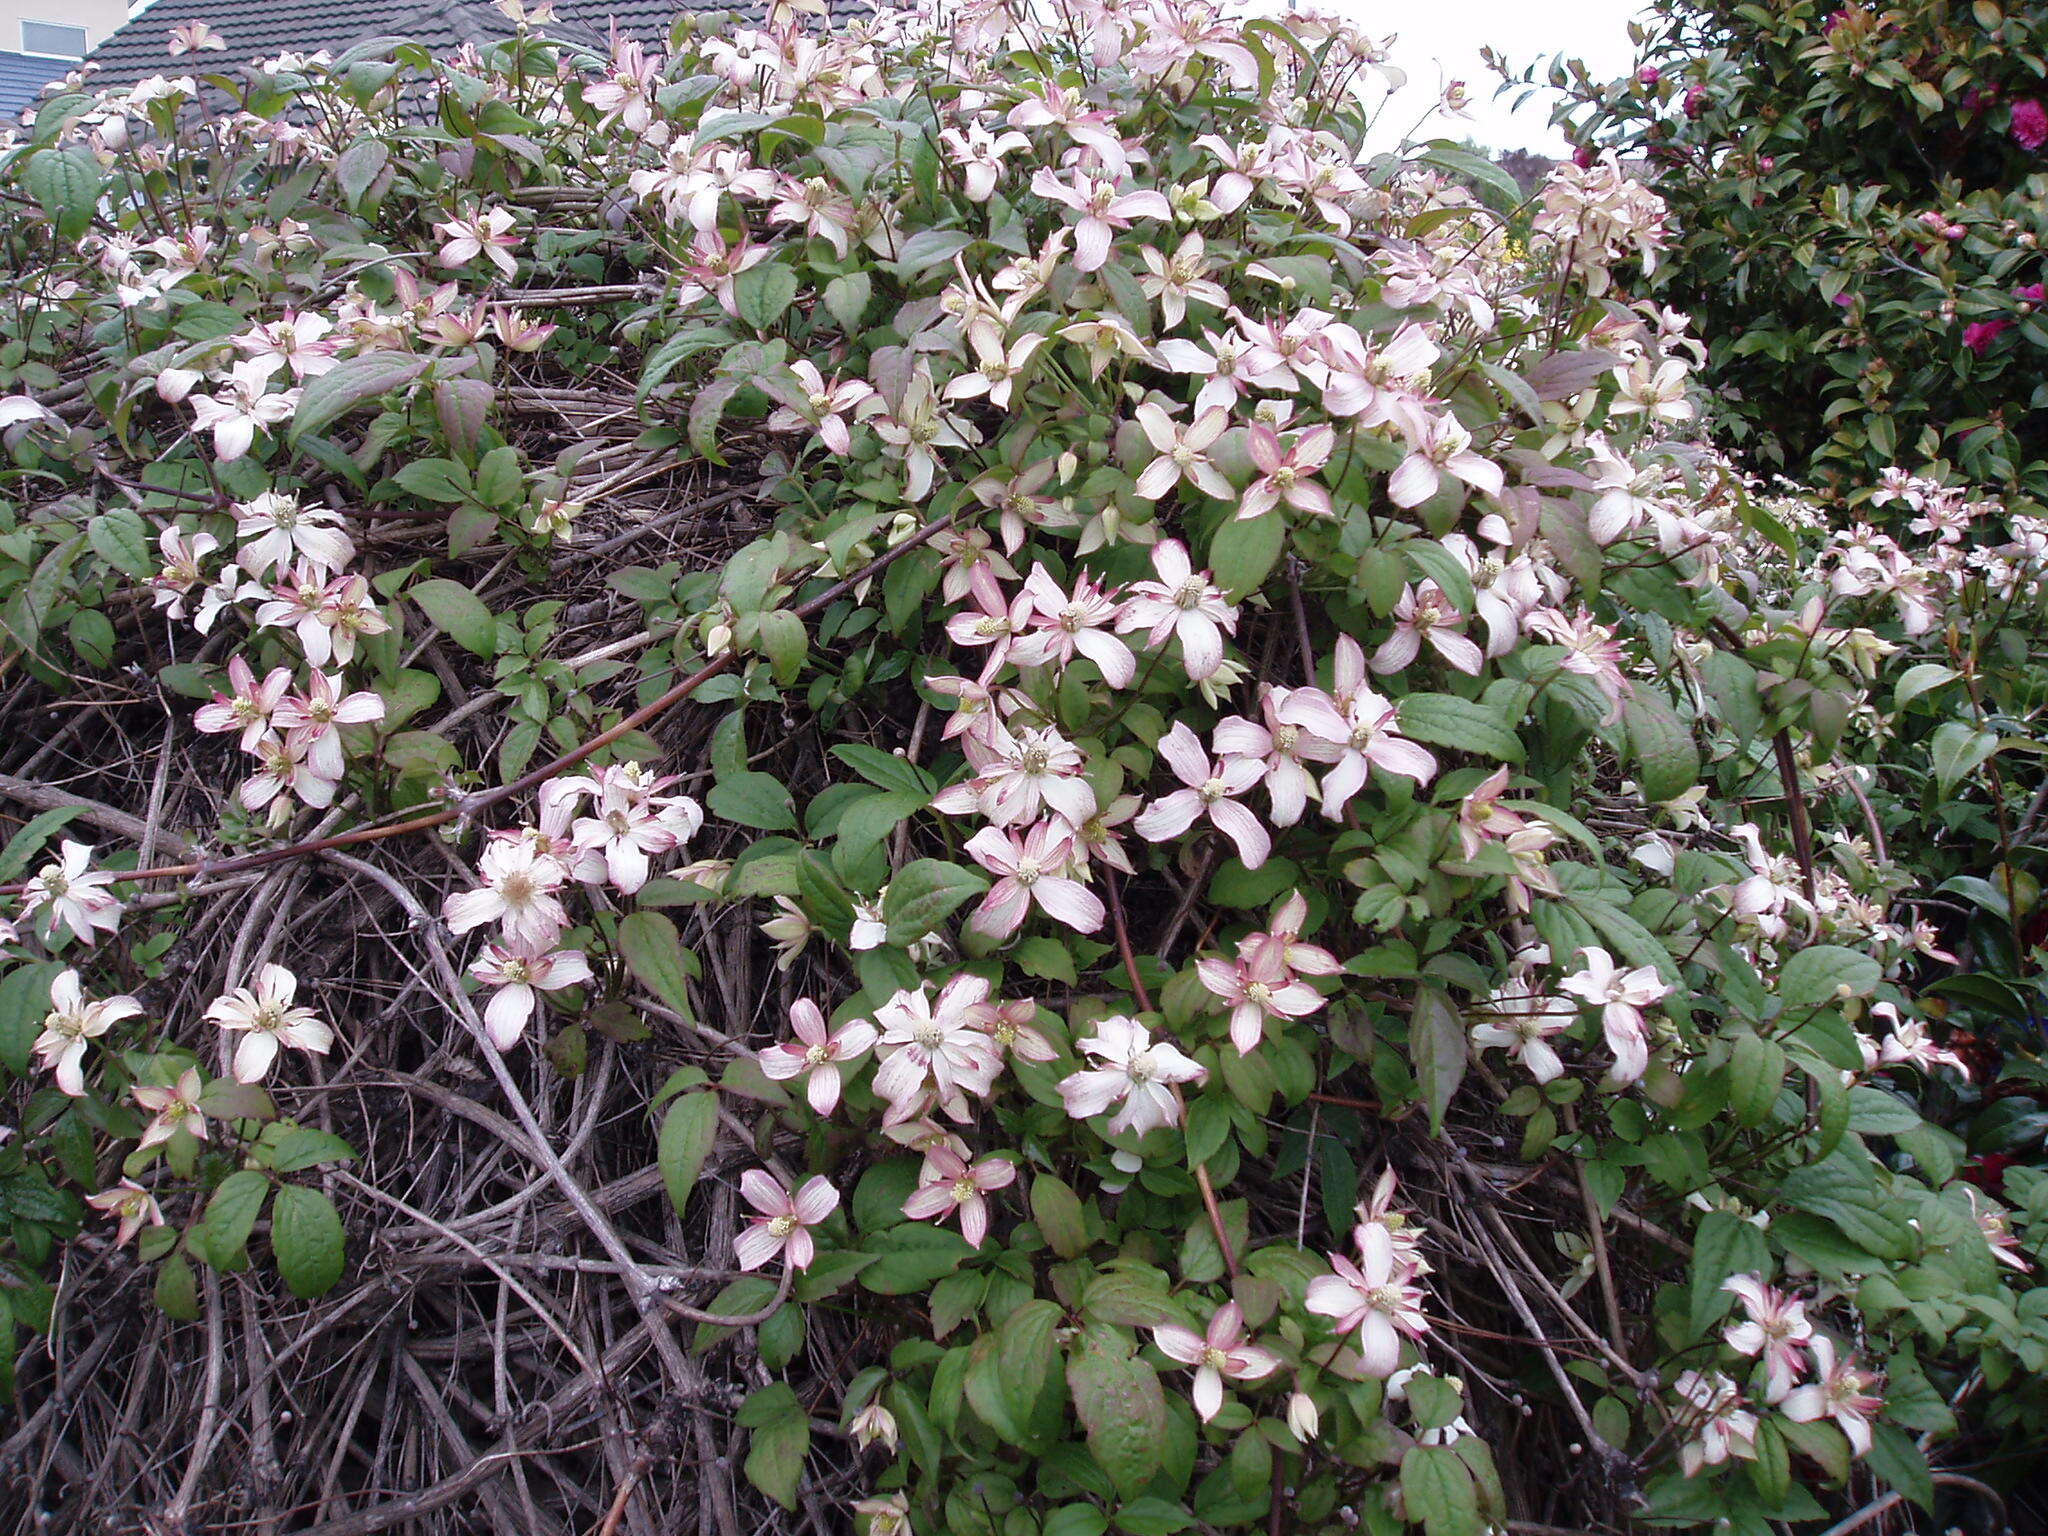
[(1282, 751), (994, 621), (266, 1019), (518, 891), (875, 1425), (276, 530), (1591, 651), (1183, 452), (1377, 1296), (1010, 1026), (71, 896), (934, 1048), (311, 720), (282, 768), (822, 405), (131, 1205), (1218, 1356), (1363, 730), (1179, 279), (1480, 818), (998, 366), (1283, 937), (1425, 613), (959, 1188), (1063, 626), (1135, 1072), (819, 1055), (71, 1022), (171, 1109), (1286, 474), (182, 552), (1722, 1429), (1180, 605), (785, 1220), (472, 235), (1257, 986), (917, 428), (1021, 774), (1774, 1328), (521, 976), (1522, 1019), (249, 708), (1993, 1222), (1029, 872), (790, 931), (1440, 446), (1212, 791), (234, 415), (1103, 210), (1843, 1392), (978, 153), (1621, 997)]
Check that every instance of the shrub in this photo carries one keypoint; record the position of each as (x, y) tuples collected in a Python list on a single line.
[(1856, 197), (1139, 728)]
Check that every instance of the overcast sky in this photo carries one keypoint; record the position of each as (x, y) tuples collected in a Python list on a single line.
[(1439, 41)]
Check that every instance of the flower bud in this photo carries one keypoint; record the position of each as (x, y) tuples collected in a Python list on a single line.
[(1303, 1418), (874, 1423)]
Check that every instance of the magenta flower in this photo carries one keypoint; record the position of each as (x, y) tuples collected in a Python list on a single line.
[(2029, 124), (819, 1054), (1979, 335), (1212, 791), (785, 1221), (958, 1188), (1031, 870), (1222, 1355)]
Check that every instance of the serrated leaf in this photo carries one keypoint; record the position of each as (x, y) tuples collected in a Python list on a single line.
[(358, 167), (307, 1146), (1437, 1490), (351, 382), (653, 952), (231, 1215), (779, 1440), (306, 1239), (755, 800), (762, 294), (1661, 745), (122, 540), (1445, 720), (1816, 975)]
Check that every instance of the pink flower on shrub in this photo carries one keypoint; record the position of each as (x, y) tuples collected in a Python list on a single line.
[(521, 975), (1134, 1071), (1031, 870), (1103, 210), (785, 1221), (959, 1188), (2029, 124), (1774, 1327), (1843, 1392), (1212, 791), (1979, 335), (1377, 1296), (1258, 986), (1181, 605), (1220, 1355), (819, 1053)]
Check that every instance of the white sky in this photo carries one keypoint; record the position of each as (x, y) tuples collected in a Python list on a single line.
[(1439, 41)]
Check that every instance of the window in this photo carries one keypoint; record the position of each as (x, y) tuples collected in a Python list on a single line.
[(52, 41)]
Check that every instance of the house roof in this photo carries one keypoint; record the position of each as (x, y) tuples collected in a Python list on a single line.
[(258, 29), (22, 77)]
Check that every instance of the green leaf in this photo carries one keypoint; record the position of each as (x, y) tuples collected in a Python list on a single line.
[(24, 1000), (688, 1132), (762, 294), (1445, 720), (1724, 1245), (1756, 1071), (1915, 681), (1437, 1488), (177, 1290), (653, 952), (437, 480), (231, 1215), (1661, 745), (1120, 1404), (349, 383), (66, 183), (1817, 973), (1957, 751), (500, 482), (671, 354), (1900, 1462), (459, 614), (884, 770), (122, 540), (846, 299), (780, 1439), (305, 1239), (358, 166), (923, 894), (1060, 1216), (1244, 551), (1438, 1048), (1029, 1354), (755, 800), (28, 842), (306, 1146)]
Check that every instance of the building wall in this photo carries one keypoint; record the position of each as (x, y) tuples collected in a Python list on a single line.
[(98, 18)]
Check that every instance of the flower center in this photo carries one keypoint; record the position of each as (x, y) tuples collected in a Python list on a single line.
[(963, 1190), (929, 1036), (1214, 1358), (817, 1055), (1258, 992), (1027, 872), (1189, 592), (1035, 760), (517, 972), (1213, 790), (1285, 736), (517, 889), (784, 1224)]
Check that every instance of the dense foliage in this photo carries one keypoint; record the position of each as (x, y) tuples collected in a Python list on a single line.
[(1108, 773), (1857, 198)]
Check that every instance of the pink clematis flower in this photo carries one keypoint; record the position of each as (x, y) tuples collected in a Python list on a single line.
[(276, 531), (1103, 210), (518, 891), (249, 708), (520, 977), (1212, 791), (822, 405), (1063, 626), (1135, 1072), (1181, 605), (1219, 1356), (819, 1054), (785, 1220), (1440, 446), (1523, 1020), (234, 415), (1258, 986), (1283, 937), (311, 720), (934, 1048), (266, 1018), (1377, 1296), (1621, 997), (1775, 1328), (1030, 870), (957, 1187), (131, 1205), (171, 1109), (1363, 729), (1723, 1429), (1282, 750), (472, 235), (1287, 474), (71, 896), (1425, 613), (1182, 452), (1843, 1392), (995, 621), (1018, 776), (71, 1022)]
